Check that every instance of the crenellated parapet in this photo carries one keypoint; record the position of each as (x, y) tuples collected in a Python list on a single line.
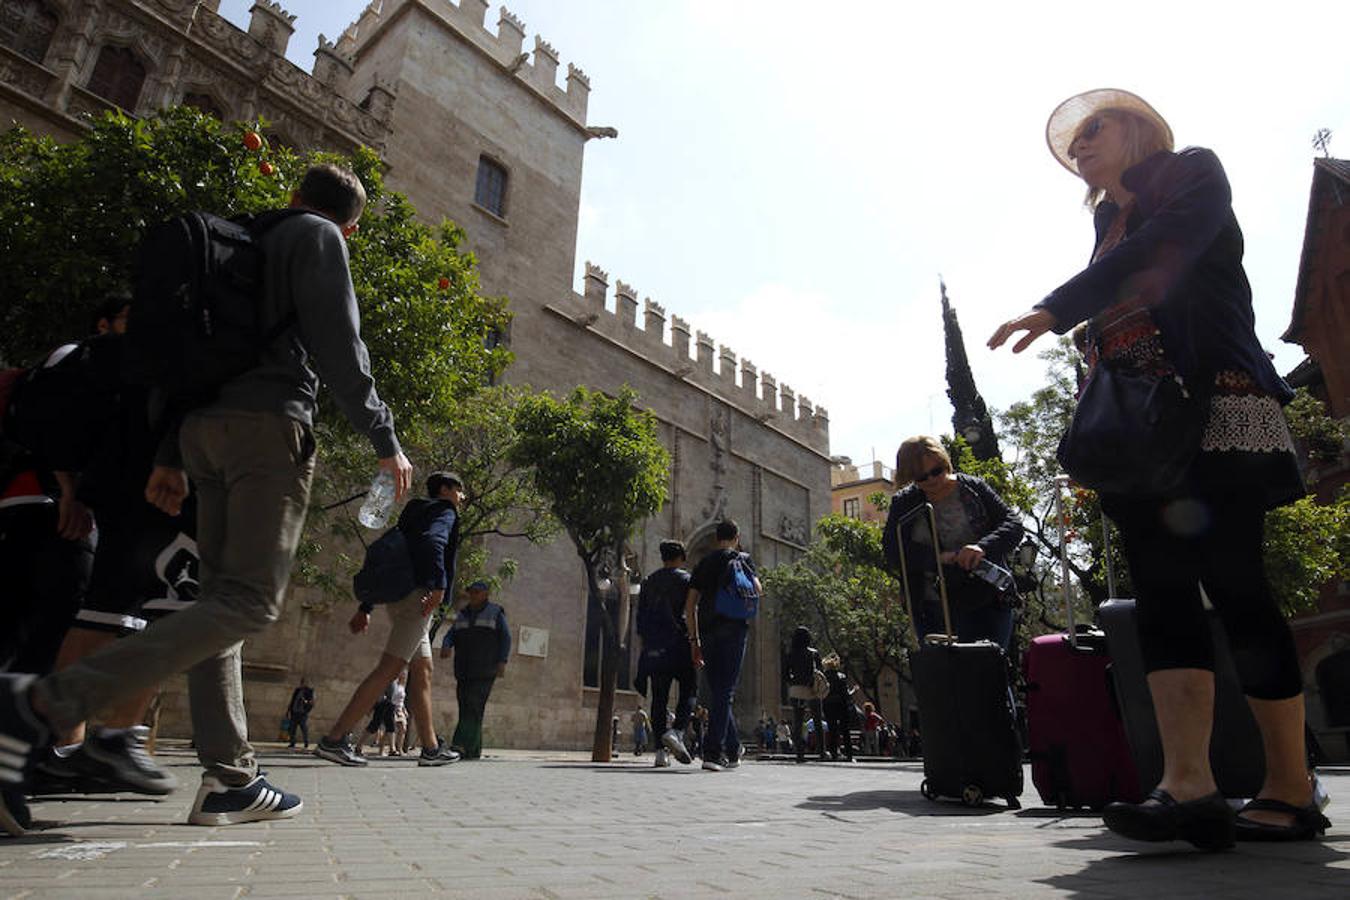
[(692, 355), (536, 68)]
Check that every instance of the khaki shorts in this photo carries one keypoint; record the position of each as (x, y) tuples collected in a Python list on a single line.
[(408, 637)]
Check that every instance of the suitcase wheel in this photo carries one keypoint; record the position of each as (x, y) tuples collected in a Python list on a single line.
[(972, 795), (927, 791)]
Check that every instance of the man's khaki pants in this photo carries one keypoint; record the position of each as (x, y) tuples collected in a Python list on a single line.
[(252, 472)]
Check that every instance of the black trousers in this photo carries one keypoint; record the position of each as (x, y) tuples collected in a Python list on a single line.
[(836, 717), (1173, 547), (687, 680), (43, 579)]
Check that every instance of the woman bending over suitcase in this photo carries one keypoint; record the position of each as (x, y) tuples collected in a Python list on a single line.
[(974, 525), (1166, 293)]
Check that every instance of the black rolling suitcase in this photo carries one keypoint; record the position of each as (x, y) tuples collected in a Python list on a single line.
[(1235, 751), (970, 745)]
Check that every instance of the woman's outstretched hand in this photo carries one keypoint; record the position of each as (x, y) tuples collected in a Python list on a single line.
[(1034, 323)]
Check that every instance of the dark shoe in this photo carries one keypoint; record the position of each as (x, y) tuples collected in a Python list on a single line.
[(1308, 822), (219, 804), (1207, 822), (126, 766), (441, 756), (340, 752)]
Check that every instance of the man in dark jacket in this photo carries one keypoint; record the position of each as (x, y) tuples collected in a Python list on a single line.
[(665, 649), (483, 641), (431, 528)]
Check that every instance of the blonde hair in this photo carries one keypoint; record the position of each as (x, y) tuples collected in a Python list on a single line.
[(909, 458), (831, 661), (1143, 138)]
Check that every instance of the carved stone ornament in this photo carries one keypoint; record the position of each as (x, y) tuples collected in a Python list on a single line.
[(719, 430), (793, 530)]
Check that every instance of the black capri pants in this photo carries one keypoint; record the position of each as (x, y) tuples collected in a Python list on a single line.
[(1174, 546)]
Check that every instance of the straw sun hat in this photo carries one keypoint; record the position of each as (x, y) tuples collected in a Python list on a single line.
[(1066, 118)]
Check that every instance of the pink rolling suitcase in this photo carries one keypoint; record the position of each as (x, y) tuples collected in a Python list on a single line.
[(1079, 753)]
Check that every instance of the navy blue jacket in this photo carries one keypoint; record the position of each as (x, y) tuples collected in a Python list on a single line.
[(432, 530), (1182, 254), (481, 640)]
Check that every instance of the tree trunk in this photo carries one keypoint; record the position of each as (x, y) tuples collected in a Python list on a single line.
[(613, 648)]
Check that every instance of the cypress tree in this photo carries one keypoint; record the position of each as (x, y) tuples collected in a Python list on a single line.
[(970, 416)]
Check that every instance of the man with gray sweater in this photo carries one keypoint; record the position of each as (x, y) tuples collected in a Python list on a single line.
[(250, 455)]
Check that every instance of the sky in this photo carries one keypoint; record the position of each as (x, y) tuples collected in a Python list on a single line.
[(794, 177)]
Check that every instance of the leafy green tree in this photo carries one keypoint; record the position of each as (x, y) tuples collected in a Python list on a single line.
[(601, 464), (841, 590), (1322, 436), (475, 442), (72, 217), (1307, 546)]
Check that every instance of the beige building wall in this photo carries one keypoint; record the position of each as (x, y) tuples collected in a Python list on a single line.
[(444, 86)]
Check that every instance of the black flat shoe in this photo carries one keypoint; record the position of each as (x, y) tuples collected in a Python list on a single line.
[(1308, 822), (1206, 823)]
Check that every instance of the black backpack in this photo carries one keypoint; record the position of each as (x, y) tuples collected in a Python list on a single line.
[(195, 318), (59, 410)]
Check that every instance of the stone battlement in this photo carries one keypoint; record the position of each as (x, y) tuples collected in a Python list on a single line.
[(694, 356), (537, 68)]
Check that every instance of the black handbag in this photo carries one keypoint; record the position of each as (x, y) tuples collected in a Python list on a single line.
[(1132, 432)]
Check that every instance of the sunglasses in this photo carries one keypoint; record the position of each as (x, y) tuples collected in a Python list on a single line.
[(931, 473)]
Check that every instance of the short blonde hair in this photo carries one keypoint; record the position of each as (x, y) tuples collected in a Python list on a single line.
[(1143, 138), (831, 661), (909, 458)]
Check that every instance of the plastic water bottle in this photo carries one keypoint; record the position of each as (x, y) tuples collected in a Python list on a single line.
[(379, 501)]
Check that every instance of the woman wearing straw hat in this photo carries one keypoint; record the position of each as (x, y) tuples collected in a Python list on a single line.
[(1165, 296)]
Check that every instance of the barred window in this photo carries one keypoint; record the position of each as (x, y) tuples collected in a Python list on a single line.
[(26, 27), (491, 190), (118, 77)]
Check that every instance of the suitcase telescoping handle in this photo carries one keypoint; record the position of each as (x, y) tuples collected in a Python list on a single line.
[(1061, 483), (937, 558)]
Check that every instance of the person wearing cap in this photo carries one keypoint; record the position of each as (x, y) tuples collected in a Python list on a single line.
[(1166, 294), (480, 640), (431, 528)]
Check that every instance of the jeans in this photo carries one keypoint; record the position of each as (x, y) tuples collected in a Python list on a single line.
[(723, 652), (252, 472)]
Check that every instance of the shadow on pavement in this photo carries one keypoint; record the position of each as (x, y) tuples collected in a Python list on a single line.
[(910, 803), (1299, 869)]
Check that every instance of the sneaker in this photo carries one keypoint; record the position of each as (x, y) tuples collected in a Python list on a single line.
[(219, 804), (662, 759), (120, 752), (675, 744), (713, 765), (22, 733), (731, 763), (340, 752), (441, 756), (74, 773), (1320, 795)]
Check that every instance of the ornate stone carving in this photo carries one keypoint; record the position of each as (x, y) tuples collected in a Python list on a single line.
[(794, 530), (719, 437)]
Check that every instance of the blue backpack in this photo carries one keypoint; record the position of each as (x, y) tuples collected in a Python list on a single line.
[(387, 574), (737, 597)]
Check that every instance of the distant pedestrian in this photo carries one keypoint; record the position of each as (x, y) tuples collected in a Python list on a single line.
[(665, 656), (481, 641), (641, 730), (801, 671), (838, 707), (298, 710), (723, 596), (872, 727)]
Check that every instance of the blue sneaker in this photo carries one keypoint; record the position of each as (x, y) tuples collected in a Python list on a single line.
[(219, 804)]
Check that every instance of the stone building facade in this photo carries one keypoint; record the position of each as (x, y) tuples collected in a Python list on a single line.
[(475, 128)]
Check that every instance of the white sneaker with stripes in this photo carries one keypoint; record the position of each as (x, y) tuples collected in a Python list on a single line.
[(219, 804)]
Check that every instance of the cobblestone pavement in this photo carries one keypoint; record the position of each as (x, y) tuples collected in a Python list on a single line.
[(530, 825)]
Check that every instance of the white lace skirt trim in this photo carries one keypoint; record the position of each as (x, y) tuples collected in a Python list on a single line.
[(1253, 424)]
